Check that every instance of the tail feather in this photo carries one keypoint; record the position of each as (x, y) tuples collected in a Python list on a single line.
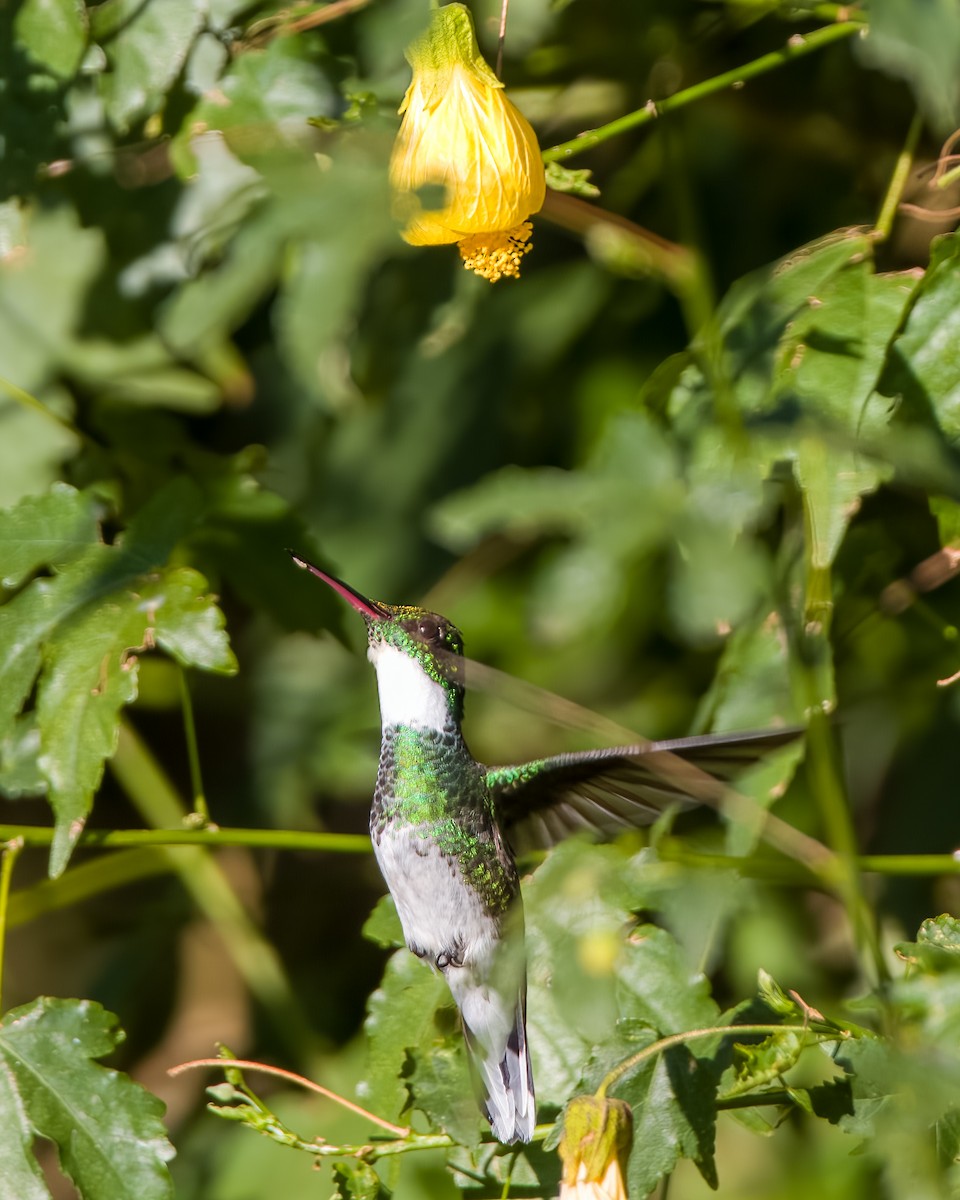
[(496, 1040)]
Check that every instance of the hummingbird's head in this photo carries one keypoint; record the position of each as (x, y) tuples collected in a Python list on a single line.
[(417, 655)]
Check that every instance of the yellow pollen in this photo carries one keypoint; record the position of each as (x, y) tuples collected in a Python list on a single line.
[(497, 254)]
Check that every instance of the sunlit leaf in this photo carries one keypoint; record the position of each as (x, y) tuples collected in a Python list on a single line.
[(42, 292), (47, 530), (146, 46), (108, 1131), (83, 629), (53, 33)]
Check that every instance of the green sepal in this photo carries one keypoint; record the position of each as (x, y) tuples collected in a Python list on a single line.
[(449, 42), (595, 1131)]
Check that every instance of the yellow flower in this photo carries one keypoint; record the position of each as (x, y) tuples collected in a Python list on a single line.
[(594, 1149), (461, 132)]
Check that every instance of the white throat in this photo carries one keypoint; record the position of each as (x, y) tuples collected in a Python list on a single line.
[(408, 696)]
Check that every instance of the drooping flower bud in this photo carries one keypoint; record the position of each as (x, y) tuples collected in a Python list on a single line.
[(594, 1149), (461, 132)]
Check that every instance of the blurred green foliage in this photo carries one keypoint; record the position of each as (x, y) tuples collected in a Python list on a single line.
[(697, 479)]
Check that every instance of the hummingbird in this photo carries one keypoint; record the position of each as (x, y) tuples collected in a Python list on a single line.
[(445, 829)]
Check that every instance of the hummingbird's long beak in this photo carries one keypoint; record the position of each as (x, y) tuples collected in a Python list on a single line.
[(367, 608)]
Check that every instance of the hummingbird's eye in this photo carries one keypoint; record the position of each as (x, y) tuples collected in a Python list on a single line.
[(429, 629)]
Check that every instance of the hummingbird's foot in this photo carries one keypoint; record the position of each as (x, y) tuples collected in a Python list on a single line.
[(450, 958)]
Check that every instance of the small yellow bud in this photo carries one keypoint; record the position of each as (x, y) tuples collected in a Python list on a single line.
[(461, 132), (594, 1149)]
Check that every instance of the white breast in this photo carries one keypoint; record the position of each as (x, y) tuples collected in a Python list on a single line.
[(437, 911), (408, 696)]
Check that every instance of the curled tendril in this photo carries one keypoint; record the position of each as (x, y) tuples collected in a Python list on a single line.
[(946, 161)]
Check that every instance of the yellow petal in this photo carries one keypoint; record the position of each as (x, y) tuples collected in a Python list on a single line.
[(459, 131)]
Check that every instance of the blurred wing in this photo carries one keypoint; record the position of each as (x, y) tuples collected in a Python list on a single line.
[(606, 791)]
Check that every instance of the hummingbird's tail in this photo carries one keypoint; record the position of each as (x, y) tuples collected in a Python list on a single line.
[(496, 1036)]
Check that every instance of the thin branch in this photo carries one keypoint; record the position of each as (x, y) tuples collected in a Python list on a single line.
[(30, 402), (331, 12), (285, 22), (502, 37), (266, 839), (639, 249), (243, 1064), (946, 173), (796, 47), (358, 843)]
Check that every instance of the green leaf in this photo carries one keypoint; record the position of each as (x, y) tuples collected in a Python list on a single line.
[(48, 530), (244, 535), (574, 181), (440, 1086), (947, 513), (836, 350), (673, 1117), (942, 933), (926, 356), (593, 980), (20, 773), (32, 447), (90, 673), (382, 927), (400, 1018), (937, 948), (81, 631), (42, 293), (262, 103), (20, 1175), (751, 686), (626, 500), (948, 1138), (766, 1061), (186, 622), (146, 46), (758, 310), (356, 1181), (108, 1131), (919, 40), (53, 33)]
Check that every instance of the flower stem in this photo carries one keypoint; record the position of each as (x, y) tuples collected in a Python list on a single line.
[(193, 754), (796, 47), (243, 1064), (7, 858), (898, 181), (30, 402)]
